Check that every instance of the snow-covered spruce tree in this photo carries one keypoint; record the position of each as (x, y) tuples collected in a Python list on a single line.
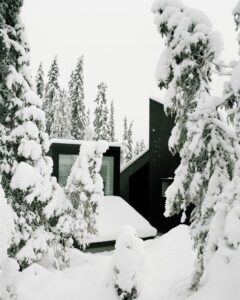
[(129, 265), (231, 92), (137, 149), (129, 155), (24, 167), (8, 266), (85, 190), (52, 95), (88, 118), (76, 98), (125, 129), (57, 117), (124, 148), (224, 228), (40, 82), (61, 123), (58, 213), (89, 130), (112, 124), (66, 115), (100, 121), (142, 145), (200, 135), (127, 143)]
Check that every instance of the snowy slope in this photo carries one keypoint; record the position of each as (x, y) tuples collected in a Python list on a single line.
[(117, 213)]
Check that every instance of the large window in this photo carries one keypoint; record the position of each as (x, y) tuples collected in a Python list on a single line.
[(66, 162), (107, 174)]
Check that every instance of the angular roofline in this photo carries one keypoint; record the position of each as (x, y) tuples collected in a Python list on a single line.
[(157, 99), (78, 142), (133, 160)]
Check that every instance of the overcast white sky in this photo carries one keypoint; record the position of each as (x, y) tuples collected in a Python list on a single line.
[(120, 44)]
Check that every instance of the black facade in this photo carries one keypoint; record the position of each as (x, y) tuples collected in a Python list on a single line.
[(134, 184), (58, 149), (144, 182), (162, 165)]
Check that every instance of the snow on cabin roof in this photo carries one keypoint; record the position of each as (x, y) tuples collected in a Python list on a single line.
[(157, 99), (124, 167), (78, 142), (115, 214)]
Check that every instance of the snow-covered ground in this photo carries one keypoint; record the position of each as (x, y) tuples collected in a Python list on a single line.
[(117, 213), (167, 276), (170, 262)]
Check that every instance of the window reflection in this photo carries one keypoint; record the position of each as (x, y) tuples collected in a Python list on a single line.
[(107, 174), (66, 162)]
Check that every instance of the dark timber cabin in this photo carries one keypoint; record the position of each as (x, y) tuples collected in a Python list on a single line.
[(64, 154), (144, 181)]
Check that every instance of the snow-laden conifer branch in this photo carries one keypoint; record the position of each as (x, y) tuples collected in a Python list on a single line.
[(199, 136), (25, 169), (85, 191)]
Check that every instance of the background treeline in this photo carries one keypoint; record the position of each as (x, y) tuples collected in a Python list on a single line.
[(68, 117)]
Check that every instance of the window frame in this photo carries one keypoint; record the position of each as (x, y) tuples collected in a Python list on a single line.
[(73, 149)]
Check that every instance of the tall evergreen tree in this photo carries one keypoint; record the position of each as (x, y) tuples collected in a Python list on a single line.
[(52, 94), (89, 131), (85, 190), (100, 122), (142, 145), (125, 129), (66, 115), (130, 142), (40, 81), (61, 124), (207, 157), (112, 123), (88, 119), (57, 125), (224, 230), (25, 170), (137, 149), (124, 148), (127, 143), (76, 96)]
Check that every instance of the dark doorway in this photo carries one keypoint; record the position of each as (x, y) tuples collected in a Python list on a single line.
[(138, 190)]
